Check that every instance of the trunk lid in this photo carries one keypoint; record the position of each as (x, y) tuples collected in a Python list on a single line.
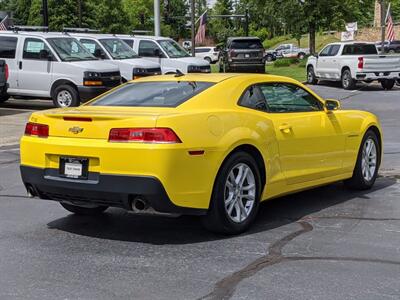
[(91, 122), (381, 63)]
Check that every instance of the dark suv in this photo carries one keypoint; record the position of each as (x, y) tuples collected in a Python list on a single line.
[(242, 54)]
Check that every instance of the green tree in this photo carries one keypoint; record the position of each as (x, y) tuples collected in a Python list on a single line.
[(112, 17)]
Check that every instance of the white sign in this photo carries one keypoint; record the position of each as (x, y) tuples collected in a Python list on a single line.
[(347, 36), (352, 26)]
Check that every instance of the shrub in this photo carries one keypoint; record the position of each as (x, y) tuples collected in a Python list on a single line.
[(285, 62)]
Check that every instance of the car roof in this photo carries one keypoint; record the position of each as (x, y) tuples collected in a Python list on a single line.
[(215, 77), (36, 34)]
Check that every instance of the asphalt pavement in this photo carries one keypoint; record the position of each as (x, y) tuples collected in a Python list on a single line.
[(326, 243)]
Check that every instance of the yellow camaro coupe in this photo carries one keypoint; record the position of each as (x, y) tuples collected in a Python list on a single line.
[(214, 145)]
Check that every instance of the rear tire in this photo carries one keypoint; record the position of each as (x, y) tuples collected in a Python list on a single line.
[(348, 83), (367, 165), (87, 211), (235, 199), (388, 84), (3, 95), (311, 78), (66, 96), (301, 56)]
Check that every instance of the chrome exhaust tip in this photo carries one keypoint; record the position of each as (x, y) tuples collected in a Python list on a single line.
[(139, 205)]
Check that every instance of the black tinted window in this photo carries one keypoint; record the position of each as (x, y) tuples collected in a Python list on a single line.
[(253, 98), (203, 50), (246, 44), (282, 98), (8, 45), (359, 49), (153, 94), (146, 48)]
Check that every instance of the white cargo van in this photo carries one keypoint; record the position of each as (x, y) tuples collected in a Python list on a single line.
[(116, 51), (54, 65), (168, 53)]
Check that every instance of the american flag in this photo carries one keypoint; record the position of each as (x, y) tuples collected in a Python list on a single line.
[(201, 32), (390, 26), (3, 24)]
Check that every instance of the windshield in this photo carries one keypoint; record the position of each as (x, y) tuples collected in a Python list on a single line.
[(173, 49), (69, 49), (153, 94), (118, 49)]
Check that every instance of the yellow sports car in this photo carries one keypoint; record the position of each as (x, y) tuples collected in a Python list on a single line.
[(214, 145)]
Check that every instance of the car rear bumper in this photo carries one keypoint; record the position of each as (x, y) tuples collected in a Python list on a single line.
[(378, 75), (246, 65), (101, 189)]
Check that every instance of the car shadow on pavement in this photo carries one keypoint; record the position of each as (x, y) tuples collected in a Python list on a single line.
[(117, 224)]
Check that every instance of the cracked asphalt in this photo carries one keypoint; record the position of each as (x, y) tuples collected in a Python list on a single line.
[(326, 243)]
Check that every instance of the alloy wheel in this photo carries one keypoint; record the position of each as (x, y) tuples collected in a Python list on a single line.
[(240, 193), (369, 159), (64, 98)]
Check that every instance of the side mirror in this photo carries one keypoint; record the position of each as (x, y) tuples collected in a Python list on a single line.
[(157, 53), (45, 55), (332, 104)]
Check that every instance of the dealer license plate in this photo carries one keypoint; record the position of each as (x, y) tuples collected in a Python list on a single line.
[(72, 167)]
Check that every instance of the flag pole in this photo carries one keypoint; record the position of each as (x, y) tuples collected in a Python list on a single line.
[(192, 21)]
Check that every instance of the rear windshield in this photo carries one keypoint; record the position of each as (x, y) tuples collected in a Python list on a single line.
[(246, 44), (153, 94), (359, 49)]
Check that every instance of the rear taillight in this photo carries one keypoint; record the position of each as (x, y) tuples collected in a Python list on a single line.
[(35, 129), (6, 71), (144, 135), (361, 62)]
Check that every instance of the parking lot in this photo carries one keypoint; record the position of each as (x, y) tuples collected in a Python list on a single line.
[(326, 243)]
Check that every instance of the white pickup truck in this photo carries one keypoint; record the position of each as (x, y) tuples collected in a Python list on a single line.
[(351, 63), (288, 50)]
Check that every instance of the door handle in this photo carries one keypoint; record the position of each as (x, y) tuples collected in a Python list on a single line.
[(20, 65), (285, 128)]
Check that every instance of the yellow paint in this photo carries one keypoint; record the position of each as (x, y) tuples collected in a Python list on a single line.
[(300, 150)]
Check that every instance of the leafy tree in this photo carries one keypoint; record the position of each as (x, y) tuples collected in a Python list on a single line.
[(112, 17)]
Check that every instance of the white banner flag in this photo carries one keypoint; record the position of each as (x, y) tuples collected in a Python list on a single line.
[(352, 26), (347, 36)]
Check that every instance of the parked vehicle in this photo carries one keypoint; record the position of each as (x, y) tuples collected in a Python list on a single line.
[(210, 54), (168, 53), (270, 55), (3, 81), (54, 65), (389, 47), (291, 51), (117, 52), (210, 145), (244, 54), (353, 62)]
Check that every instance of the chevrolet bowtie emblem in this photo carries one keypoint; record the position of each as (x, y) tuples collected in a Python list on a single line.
[(75, 129)]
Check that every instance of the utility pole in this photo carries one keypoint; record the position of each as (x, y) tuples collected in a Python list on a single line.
[(157, 30), (192, 21), (383, 25), (45, 13), (80, 13), (246, 29)]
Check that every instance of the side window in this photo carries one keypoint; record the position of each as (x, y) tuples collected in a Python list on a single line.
[(33, 49), (334, 50), (284, 98), (253, 98), (325, 51), (94, 48), (146, 48), (8, 45)]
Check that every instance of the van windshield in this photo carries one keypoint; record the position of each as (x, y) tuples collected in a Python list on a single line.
[(173, 49), (118, 49), (69, 49)]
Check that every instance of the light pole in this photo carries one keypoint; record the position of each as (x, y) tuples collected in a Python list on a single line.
[(45, 13), (383, 25), (157, 31), (192, 21)]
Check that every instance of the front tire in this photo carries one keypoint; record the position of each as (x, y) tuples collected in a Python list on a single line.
[(367, 165), (311, 78), (236, 194), (81, 210), (66, 96), (208, 59)]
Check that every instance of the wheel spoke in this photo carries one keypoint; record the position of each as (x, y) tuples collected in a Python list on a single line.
[(239, 175), (243, 211)]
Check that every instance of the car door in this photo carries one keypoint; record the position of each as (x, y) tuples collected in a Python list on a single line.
[(311, 141), (332, 66), (322, 63), (35, 69)]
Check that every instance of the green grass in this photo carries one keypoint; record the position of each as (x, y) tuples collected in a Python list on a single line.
[(294, 71)]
